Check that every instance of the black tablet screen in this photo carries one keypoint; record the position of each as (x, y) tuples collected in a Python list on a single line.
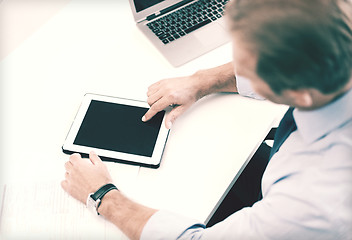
[(119, 128)]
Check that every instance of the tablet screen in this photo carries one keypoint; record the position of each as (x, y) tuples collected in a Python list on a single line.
[(119, 128)]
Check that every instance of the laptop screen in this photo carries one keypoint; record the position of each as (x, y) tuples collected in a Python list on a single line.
[(142, 4)]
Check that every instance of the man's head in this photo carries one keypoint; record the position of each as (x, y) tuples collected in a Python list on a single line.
[(294, 44)]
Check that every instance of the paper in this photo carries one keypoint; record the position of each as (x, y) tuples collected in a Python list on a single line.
[(46, 211)]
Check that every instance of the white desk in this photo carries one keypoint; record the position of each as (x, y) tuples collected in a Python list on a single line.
[(94, 46)]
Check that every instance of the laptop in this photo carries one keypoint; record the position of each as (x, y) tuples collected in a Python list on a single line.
[(182, 30)]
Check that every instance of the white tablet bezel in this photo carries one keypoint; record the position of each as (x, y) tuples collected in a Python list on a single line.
[(108, 155)]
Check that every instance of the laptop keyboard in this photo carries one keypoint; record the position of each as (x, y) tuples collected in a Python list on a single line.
[(187, 19)]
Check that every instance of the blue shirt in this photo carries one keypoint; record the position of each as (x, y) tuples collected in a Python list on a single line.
[(307, 187)]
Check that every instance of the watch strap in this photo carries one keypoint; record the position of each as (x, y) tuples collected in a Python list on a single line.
[(100, 193)]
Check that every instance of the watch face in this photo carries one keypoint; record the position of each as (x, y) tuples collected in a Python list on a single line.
[(91, 204)]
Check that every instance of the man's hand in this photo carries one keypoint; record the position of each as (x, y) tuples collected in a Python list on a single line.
[(84, 176), (180, 93)]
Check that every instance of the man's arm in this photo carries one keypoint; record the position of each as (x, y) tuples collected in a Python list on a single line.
[(182, 92), (217, 79), (84, 176), (125, 214)]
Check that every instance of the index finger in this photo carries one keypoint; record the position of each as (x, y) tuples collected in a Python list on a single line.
[(154, 109)]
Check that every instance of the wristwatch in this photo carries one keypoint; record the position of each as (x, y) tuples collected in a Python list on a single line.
[(94, 199)]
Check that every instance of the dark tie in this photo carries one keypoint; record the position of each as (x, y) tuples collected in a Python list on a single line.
[(286, 127)]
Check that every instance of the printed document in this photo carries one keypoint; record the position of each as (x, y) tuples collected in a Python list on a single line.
[(46, 211)]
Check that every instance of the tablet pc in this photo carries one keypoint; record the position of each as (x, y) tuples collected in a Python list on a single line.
[(113, 129)]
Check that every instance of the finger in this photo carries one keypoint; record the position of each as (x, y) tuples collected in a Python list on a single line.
[(152, 99), (173, 115), (157, 107), (152, 91), (153, 88), (94, 158), (74, 157), (64, 185), (66, 175), (68, 165)]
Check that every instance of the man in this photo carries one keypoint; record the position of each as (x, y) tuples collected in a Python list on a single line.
[(293, 52)]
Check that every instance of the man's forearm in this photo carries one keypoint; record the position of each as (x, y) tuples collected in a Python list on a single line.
[(128, 216), (218, 79)]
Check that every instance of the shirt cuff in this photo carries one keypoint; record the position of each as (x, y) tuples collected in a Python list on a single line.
[(245, 89), (167, 225)]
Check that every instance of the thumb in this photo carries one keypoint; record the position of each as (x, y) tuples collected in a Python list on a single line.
[(94, 158), (173, 114)]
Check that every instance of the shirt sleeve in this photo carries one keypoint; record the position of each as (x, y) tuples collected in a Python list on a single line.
[(241, 225), (167, 225), (287, 212), (247, 223), (245, 89)]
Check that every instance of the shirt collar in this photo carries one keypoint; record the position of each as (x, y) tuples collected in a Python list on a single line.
[(314, 124)]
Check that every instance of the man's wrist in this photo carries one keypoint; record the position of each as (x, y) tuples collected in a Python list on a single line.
[(213, 80), (94, 199), (201, 84), (127, 215), (110, 200)]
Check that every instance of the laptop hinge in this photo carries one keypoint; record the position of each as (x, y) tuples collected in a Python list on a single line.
[(168, 9), (154, 15)]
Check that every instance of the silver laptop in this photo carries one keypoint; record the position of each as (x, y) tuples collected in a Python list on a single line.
[(182, 29)]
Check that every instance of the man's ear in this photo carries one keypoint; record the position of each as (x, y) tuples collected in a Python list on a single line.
[(301, 98)]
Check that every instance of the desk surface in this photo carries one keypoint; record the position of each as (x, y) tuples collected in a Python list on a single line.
[(95, 47)]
